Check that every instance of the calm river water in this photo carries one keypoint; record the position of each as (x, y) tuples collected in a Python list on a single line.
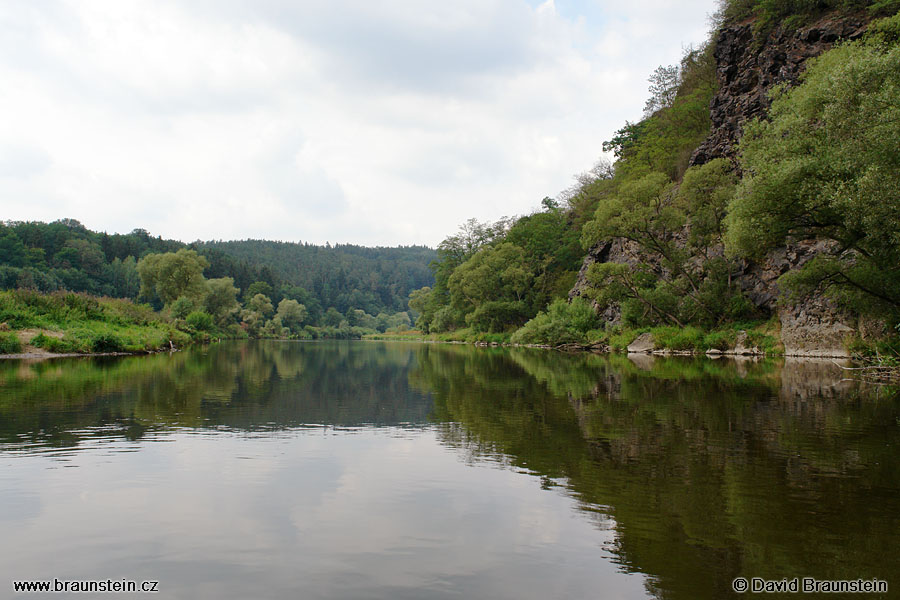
[(391, 470)]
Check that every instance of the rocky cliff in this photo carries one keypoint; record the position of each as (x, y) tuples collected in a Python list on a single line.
[(748, 66)]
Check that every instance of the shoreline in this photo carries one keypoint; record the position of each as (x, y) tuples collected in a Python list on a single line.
[(38, 353)]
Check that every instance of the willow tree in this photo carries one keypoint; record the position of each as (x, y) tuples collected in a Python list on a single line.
[(826, 166)]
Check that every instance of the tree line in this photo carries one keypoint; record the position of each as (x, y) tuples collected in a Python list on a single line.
[(337, 285)]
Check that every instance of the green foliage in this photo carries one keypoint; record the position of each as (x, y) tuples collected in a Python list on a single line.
[(562, 323), (80, 323), (791, 13), (107, 342), (182, 307), (64, 255), (56, 345), (221, 300), (172, 275), (663, 142), (664, 82), (291, 314), (343, 276), (259, 287), (497, 316), (679, 338), (826, 167), (333, 318), (493, 274), (703, 196), (9, 343), (641, 211), (200, 321), (261, 304), (720, 340)]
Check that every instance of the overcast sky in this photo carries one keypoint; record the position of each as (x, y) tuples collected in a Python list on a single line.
[(375, 122)]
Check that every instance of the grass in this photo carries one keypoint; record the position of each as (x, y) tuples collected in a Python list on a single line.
[(78, 323), (760, 334), (466, 335), (9, 343)]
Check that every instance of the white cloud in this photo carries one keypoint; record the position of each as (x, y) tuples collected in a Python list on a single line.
[(386, 122)]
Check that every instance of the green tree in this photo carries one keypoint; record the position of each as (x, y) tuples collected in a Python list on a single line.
[(333, 318), (182, 307), (172, 274), (262, 304), (704, 195), (221, 299), (826, 166), (663, 88), (259, 287), (291, 314), (493, 274)]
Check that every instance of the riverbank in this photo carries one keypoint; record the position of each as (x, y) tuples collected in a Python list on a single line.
[(754, 338), (38, 325), (871, 361)]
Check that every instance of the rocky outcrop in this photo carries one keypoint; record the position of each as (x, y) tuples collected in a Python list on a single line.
[(815, 328), (597, 254), (747, 69), (759, 280)]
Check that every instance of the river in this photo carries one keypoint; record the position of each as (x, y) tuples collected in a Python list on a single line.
[(391, 470)]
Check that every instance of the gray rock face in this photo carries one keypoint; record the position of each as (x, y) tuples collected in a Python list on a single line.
[(747, 70), (815, 329)]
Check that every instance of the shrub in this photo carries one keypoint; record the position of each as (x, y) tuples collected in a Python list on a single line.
[(563, 323), (107, 342), (9, 343), (200, 320)]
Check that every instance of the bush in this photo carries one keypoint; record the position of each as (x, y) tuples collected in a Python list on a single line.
[(563, 323), (9, 343), (200, 320), (497, 316), (107, 342)]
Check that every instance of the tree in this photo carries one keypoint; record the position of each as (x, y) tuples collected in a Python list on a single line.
[(663, 88), (333, 318), (172, 274), (493, 274), (260, 303), (704, 195), (182, 307), (221, 299), (291, 314), (826, 167), (259, 287)]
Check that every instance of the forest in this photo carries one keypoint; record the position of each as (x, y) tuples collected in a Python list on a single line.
[(222, 288)]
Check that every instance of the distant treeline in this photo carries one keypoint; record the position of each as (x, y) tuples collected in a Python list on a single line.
[(65, 255)]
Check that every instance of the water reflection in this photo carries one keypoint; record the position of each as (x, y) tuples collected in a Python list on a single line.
[(690, 472)]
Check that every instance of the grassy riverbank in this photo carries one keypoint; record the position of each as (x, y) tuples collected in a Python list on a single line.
[(36, 323), (760, 336), (66, 322)]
